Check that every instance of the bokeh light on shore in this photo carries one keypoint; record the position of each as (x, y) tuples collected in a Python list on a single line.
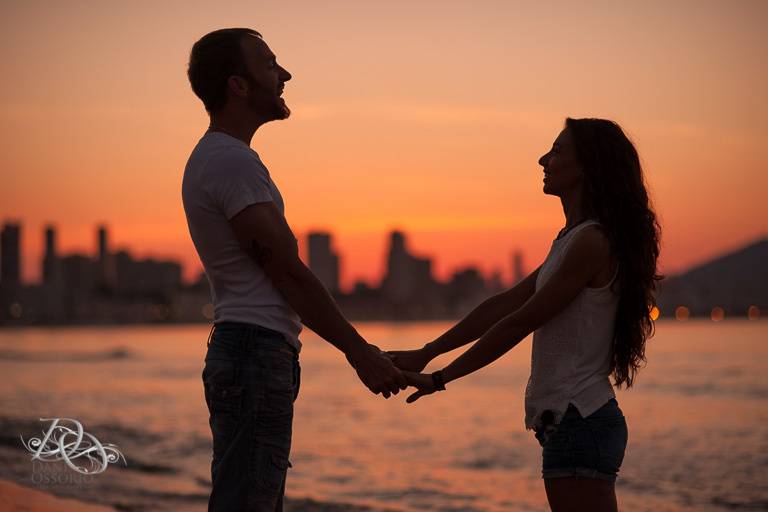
[(717, 314), (682, 313), (16, 310)]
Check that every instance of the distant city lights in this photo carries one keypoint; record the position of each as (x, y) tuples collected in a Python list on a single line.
[(682, 313), (15, 310)]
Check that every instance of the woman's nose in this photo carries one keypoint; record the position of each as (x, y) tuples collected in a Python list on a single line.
[(543, 160)]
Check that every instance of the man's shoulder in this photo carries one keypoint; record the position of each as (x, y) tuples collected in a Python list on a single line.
[(223, 154), (229, 158)]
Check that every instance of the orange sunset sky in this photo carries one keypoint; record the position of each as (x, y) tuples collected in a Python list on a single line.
[(424, 116)]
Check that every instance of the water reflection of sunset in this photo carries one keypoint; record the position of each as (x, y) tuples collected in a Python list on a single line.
[(695, 417)]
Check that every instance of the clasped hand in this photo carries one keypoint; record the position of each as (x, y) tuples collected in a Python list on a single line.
[(389, 372), (412, 363)]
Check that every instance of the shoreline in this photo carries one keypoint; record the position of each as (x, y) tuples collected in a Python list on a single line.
[(15, 497)]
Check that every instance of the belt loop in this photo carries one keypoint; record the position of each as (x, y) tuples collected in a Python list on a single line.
[(245, 341), (210, 334)]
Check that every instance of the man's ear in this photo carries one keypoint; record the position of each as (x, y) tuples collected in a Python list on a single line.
[(238, 85)]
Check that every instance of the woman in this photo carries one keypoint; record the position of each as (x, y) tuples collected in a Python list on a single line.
[(588, 306)]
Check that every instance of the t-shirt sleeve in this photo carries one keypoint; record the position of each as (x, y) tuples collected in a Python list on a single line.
[(234, 180)]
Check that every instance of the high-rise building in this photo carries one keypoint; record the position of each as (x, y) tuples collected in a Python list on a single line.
[(79, 273), (10, 254), (495, 284), (104, 259), (323, 261), (50, 257), (467, 283), (53, 302), (102, 234), (407, 276), (145, 276), (518, 269)]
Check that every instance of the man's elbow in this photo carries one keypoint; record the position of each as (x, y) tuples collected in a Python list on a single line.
[(284, 272)]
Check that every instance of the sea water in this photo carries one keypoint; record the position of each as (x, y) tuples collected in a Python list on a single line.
[(697, 419)]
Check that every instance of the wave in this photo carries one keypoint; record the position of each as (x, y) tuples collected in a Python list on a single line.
[(736, 504), (410, 493), (148, 467), (117, 353), (708, 389)]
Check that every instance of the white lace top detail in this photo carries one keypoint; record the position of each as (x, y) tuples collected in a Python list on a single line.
[(571, 353)]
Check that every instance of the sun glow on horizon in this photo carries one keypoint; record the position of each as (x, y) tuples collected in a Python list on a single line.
[(397, 123)]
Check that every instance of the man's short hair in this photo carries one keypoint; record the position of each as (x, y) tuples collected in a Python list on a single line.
[(214, 58)]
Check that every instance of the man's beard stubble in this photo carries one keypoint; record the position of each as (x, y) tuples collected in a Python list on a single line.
[(267, 102), (285, 112)]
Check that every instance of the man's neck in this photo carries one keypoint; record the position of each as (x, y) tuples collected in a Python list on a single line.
[(235, 126)]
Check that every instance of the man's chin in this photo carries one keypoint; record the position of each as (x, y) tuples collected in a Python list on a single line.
[(284, 108), (274, 111), (281, 110)]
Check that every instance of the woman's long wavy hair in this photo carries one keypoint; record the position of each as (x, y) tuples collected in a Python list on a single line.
[(616, 196)]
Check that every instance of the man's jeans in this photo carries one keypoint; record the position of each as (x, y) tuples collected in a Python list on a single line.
[(251, 379)]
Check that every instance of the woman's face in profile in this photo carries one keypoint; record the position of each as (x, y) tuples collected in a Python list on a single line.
[(562, 170)]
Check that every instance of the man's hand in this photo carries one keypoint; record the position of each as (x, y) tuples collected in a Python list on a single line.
[(410, 360), (422, 382), (376, 370)]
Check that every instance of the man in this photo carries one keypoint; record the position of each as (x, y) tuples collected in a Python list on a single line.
[(261, 290)]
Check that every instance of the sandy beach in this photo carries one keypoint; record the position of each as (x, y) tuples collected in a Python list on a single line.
[(17, 498)]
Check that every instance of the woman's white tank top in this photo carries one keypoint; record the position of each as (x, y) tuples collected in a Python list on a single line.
[(571, 354)]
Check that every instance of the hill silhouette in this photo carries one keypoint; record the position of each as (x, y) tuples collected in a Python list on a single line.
[(734, 281)]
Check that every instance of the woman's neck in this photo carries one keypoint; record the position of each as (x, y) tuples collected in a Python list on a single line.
[(573, 208)]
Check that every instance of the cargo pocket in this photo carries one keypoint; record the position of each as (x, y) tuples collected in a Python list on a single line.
[(224, 406), (271, 441), (268, 472)]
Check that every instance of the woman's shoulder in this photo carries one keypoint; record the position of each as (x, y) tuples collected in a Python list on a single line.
[(591, 239)]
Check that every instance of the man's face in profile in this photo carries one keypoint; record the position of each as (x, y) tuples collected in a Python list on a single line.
[(267, 79)]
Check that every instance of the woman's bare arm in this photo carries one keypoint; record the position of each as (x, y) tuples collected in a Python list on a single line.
[(587, 256), (470, 328)]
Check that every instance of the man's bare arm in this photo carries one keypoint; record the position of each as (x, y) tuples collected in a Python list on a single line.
[(265, 235)]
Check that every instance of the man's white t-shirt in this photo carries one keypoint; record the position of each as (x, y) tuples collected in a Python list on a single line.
[(224, 175)]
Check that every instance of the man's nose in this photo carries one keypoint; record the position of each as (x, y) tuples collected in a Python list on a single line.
[(285, 74)]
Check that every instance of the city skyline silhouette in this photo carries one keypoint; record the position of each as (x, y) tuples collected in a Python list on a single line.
[(110, 285)]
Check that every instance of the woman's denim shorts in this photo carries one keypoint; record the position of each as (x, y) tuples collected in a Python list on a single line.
[(591, 447)]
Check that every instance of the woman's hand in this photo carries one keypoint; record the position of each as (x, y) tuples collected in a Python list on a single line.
[(410, 360), (422, 382)]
